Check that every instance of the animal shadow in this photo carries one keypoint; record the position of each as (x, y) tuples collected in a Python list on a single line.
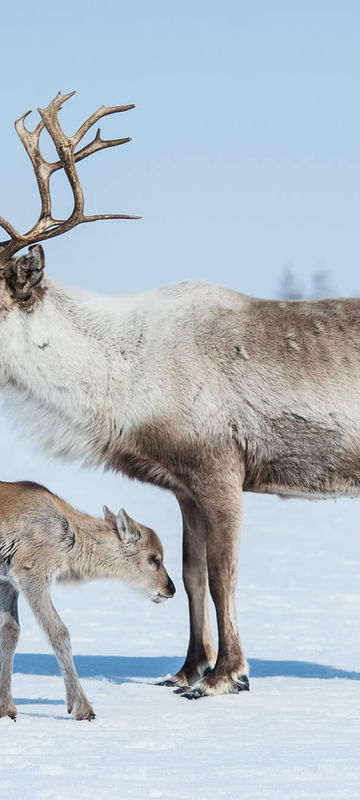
[(121, 669)]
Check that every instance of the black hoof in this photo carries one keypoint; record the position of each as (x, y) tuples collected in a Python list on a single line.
[(242, 683), (166, 682), (193, 694)]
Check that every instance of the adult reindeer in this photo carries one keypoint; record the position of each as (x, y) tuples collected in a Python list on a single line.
[(193, 387)]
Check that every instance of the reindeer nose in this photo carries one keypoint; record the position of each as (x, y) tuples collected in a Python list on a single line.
[(171, 588)]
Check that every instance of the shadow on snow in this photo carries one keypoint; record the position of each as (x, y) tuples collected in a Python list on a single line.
[(119, 669)]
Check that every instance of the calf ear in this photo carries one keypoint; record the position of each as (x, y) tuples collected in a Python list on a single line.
[(109, 516), (128, 530)]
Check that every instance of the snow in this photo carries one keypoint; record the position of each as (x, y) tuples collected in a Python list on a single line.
[(294, 736)]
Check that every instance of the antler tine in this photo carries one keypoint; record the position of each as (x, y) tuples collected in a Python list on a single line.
[(95, 217), (98, 144), (30, 140), (10, 230), (103, 111), (65, 149), (55, 104)]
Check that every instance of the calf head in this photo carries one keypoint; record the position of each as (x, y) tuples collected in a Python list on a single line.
[(143, 555)]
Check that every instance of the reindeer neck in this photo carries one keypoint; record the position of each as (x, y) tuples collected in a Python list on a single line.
[(65, 337), (65, 371)]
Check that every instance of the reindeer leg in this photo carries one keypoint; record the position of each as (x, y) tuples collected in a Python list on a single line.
[(201, 654), (9, 636), (38, 595), (223, 517)]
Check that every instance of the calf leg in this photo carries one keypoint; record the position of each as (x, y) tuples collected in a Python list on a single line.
[(230, 673), (38, 595), (201, 654), (9, 636)]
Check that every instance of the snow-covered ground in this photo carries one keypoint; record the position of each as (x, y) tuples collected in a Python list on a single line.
[(294, 736)]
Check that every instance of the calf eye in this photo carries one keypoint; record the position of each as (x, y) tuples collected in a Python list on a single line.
[(155, 560)]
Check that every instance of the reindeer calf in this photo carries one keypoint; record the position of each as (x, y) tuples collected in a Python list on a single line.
[(43, 538)]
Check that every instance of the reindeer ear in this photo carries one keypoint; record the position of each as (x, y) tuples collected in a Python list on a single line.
[(109, 516), (24, 272), (36, 257), (128, 530)]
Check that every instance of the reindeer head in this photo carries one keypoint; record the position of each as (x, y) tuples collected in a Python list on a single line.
[(21, 275), (143, 554)]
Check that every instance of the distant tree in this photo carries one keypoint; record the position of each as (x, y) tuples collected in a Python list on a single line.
[(321, 286), (289, 288)]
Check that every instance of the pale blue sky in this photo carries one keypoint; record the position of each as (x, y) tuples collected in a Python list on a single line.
[(245, 154), (246, 137)]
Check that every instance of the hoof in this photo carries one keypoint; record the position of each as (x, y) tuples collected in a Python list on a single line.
[(242, 682), (213, 685), (194, 694), (8, 711), (84, 715), (81, 717), (177, 681), (11, 714), (181, 689), (82, 710), (191, 672), (166, 682)]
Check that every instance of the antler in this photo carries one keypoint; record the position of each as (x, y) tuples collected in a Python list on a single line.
[(46, 227)]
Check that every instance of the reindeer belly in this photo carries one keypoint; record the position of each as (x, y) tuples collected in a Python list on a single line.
[(300, 457)]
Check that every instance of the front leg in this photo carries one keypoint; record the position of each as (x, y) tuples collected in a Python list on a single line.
[(201, 653), (223, 517), (9, 636), (38, 595)]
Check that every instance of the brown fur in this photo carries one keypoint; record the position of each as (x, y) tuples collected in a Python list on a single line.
[(43, 538)]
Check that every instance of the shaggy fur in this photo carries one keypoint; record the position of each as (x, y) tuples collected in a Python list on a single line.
[(43, 538), (200, 390)]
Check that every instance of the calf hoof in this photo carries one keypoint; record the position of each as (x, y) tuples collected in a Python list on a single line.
[(8, 709), (83, 710)]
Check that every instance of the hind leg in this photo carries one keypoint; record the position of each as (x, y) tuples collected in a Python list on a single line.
[(9, 636)]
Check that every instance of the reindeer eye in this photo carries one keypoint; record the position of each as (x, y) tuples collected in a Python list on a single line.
[(155, 560)]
